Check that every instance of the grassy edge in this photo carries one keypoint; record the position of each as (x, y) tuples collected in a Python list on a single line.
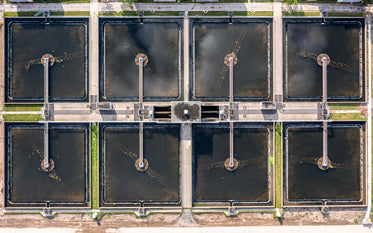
[(119, 13), (278, 166), (21, 117), (347, 117), (345, 106), (22, 107), (317, 13), (94, 166), (53, 13), (255, 13)]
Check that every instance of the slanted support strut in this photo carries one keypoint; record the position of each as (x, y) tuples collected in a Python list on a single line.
[(231, 163), (141, 163)]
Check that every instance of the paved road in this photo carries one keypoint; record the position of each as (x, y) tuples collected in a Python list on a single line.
[(271, 229)]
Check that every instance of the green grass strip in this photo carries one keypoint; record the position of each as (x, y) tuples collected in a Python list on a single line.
[(22, 117), (209, 13), (347, 117), (119, 13), (161, 13), (70, 13), (278, 160), (22, 107), (94, 166), (346, 14), (53, 13), (19, 14), (301, 13), (345, 106), (255, 13)]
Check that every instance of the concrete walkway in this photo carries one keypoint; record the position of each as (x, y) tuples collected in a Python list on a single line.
[(93, 51), (267, 229), (117, 6), (277, 52)]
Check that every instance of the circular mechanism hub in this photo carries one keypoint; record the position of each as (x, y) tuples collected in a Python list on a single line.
[(228, 166), (319, 164), (144, 59), (228, 57), (144, 166), (320, 58), (51, 59), (47, 169)]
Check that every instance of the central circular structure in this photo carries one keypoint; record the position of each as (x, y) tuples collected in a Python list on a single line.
[(227, 58), (144, 59), (47, 169), (51, 59), (143, 168), (319, 164), (228, 167), (321, 56)]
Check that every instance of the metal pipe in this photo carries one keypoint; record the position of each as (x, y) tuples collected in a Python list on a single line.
[(46, 99), (231, 146), (325, 144), (141, 76), (324, 80), (141, 138), (324, 100), (46, 145), (231, 80), (46, 79)]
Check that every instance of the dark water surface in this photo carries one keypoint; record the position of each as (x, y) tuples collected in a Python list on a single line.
[(342, 41), (28, 41), (29, 183), (250, 41), (211, 148), (122, 182), (122, 41), (306, 181)]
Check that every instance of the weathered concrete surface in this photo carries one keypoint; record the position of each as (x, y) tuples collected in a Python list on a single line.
[(273, 229), (186, 165), (186, 57), (118, 6), (277, 52), (93, 48), (1, 106)]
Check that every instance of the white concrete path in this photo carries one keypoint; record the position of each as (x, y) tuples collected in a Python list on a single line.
[(118, 6), (263, 229)]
